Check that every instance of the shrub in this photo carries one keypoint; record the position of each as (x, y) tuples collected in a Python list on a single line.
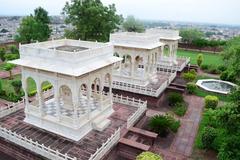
[(174, 124), (190, 76), (13, 49), (204, 67), (192, 71), (17, 85), (2, 54), (180, 109), (224, 76), (213, 70), (211, 101), (222, 68), (148, 156), (208, 136), (228, 76), (199, 59), (159, 124), (191, 87), (163, 124), (174, 98), (10, 57)]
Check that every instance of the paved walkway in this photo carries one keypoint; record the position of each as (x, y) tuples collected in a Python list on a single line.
[(181, 147), (201, 72)]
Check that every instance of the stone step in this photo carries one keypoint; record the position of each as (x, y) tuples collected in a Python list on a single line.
[(101, 123)]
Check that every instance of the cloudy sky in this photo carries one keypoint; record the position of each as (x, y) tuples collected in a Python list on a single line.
[(211, 11)]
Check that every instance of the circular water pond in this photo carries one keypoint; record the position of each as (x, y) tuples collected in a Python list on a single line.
[(214, 85)]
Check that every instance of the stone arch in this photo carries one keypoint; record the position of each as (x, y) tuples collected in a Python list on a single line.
[(65, 94), (138, 62), (95, 85), (108, 78), (127, 64), (83, 89), (31, 91), (166, 50), (156, 56)]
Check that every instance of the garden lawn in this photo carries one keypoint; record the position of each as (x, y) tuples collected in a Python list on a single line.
[(208, 58)]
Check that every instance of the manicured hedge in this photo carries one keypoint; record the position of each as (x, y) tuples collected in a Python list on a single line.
[(174, 98), (191, 87), (211, 101), (180, 109), (148, 156)]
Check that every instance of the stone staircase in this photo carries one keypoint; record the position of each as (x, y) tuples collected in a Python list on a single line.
[(101, 123)]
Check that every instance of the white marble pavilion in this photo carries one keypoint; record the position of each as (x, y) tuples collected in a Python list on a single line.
[(77, 71), (143, 54)]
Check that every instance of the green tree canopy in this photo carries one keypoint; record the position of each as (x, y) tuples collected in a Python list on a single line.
[(91, 20), (41, 15), (190, 35), (34, 27), (8, 67), (133, 25), (231, 56)]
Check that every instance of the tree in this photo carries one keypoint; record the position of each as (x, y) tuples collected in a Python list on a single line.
[(199, 59), (2, 54), (41, 15), (231, 56), (200, 43), (17, 85), (133, 25), (228, 117), (148, 156), (8, 67), (34, 27), (91, 20), (189, 35)]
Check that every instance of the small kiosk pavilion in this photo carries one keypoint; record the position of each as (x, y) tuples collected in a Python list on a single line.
[(77, 72), (138, 71)]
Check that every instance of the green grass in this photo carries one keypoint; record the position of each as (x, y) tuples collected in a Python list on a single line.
[(208, 58), (6, 84)]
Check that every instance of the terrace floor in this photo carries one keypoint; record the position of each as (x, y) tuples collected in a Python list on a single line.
[(156, 81), (81, 149)]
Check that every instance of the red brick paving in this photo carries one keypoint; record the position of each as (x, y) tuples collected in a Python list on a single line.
[(81, 149)]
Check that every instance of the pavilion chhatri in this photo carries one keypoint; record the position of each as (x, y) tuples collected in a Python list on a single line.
[(146, 67), (77, 71)]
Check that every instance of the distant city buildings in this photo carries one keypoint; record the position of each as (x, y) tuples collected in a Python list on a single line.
[(9, 25)]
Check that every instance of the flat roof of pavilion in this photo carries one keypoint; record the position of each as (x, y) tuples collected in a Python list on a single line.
[(164, 34), (135, 40), (66, 68), (68, 57)]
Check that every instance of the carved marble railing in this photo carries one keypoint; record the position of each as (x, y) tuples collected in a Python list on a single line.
[(34, 146), (113, 140), (11, 108)]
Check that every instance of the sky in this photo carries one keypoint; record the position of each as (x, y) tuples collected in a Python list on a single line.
[(209, 11)]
